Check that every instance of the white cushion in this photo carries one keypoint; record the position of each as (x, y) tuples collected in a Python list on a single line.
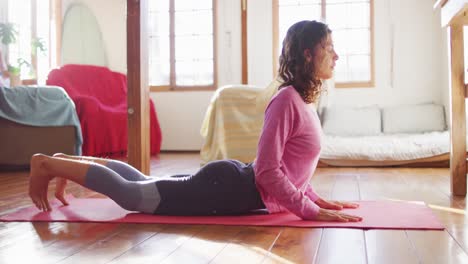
[(349, 121), (413, 118)]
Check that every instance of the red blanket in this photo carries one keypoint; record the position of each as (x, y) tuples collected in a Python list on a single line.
[(100, 96)]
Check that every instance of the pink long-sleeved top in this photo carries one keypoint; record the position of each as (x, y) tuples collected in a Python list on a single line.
[(287, 156)]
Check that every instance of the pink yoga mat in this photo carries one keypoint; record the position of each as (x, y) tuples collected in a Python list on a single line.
[(376, 214)]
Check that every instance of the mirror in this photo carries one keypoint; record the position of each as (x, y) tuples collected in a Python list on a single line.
[(82, 38)]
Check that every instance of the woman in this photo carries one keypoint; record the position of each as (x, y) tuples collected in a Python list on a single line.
[(278, 180)]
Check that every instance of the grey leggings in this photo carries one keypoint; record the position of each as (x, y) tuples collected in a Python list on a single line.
[(225, 187)]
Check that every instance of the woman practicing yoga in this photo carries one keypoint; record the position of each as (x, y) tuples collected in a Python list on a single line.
[(278, 180)]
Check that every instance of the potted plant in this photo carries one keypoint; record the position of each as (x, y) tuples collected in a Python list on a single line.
[(8, 35), (15, 71)]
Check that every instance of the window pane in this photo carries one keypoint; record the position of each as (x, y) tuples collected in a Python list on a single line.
[(192, 5), (158, 5), (193, 22), (359, 68), (350, 15), (191, 41), (159, 73), (345, 1), (349, 21), (352, 41), (353, 68), (159, 60), (19, 13), (288, 15), (341, 69), (298, 2), (188, 48), (292, 11), (159, 49), (43, 35), (158, 24), (194, 72)]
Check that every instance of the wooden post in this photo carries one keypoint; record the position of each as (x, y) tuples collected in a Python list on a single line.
[(137, 83), (245, 69), (56, 16), (457, 112)]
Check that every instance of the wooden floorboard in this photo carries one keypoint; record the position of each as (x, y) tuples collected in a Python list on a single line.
[(251, 245), (340, 245), (144, 243), (160, 246)]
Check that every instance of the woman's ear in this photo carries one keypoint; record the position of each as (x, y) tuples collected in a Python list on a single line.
[(308, 55)]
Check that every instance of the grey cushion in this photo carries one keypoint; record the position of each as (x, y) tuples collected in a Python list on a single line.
[(413, 118), (352, 121)]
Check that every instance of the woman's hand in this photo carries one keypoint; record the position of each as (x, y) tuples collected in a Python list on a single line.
[(335, 205), (335, 216), (60, 184)]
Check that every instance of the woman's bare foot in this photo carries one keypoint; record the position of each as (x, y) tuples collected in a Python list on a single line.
[(39, 182), (60, 185), (61, 155)]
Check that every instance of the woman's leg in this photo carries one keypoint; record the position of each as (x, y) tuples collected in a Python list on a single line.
[(140, 196), (225, 187), (122, 168)]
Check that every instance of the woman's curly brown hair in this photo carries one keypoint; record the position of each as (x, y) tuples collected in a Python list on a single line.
[(294, 69)]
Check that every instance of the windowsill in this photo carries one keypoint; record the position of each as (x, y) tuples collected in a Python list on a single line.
[(29, 81), (182, 88)]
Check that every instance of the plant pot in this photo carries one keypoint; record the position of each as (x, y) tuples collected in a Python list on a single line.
[(15, 80)]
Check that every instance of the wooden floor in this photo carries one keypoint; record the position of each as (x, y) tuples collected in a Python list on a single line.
[(142, 243)]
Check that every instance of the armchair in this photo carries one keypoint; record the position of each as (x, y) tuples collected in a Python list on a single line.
[(234, 120), (100, 96)]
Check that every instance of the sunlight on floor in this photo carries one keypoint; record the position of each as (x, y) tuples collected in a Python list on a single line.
[(447, 209), (270, 258), (433, 206)]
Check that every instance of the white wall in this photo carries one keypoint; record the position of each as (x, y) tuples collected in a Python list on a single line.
[(419, 62), (259, 42), (3, 11), (110, 15)]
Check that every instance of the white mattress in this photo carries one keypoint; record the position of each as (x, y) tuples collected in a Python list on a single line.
[(386, 147)]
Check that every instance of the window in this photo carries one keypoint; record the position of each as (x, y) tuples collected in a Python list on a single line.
[(181, 44), (32, 44), (352, 24)]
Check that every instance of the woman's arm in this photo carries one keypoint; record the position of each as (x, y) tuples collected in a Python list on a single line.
[(277, 129), (327, 204), (313, 196)]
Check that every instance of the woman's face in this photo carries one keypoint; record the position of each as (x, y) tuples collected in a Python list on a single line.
[(324, 58)]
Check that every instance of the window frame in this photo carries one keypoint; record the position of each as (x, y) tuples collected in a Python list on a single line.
[(172, 87), (350, 84), (54, 16)]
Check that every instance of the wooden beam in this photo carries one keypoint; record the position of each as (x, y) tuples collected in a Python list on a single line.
[(245, 64), (33, 37), (454, 12), (457, 112), (439, 3), (275, 33), (56, 16), (466, 90), (137, 83)]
